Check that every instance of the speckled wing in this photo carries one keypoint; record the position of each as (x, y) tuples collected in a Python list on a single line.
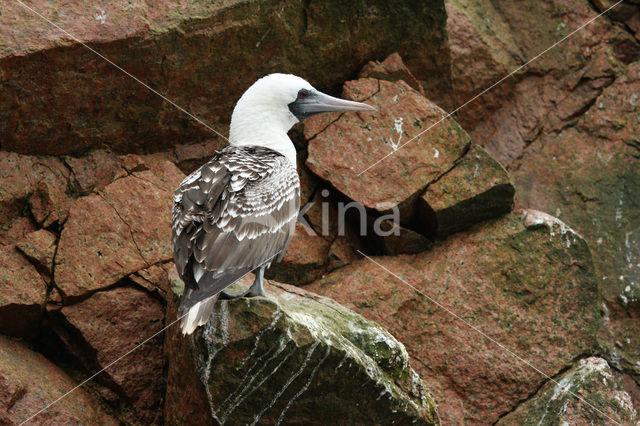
[(232, 215)]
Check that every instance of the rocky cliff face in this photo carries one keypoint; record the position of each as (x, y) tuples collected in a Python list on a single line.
[(492, 270), (198, 54)]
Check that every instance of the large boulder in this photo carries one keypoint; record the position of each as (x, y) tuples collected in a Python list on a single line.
[(482, 50), (588, 393), (565, 127), (352, 143), (476, 189), (525, 281), (295, 357), (30, 382), (107, 325), (202, 56), (122, 228)]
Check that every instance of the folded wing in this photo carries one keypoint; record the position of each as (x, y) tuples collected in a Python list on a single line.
[(232, 215)]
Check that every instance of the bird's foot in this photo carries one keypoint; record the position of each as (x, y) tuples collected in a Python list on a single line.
[(225, 295), (251, 292), (256, 289)]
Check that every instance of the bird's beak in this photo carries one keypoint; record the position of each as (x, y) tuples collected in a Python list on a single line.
[(318, 102)]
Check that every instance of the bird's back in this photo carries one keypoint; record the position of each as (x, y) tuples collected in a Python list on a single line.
[(232, 215)]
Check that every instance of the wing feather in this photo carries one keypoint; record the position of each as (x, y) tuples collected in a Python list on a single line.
[(232, 215)]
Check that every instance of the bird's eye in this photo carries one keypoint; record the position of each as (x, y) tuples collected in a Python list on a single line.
[(303, 94)]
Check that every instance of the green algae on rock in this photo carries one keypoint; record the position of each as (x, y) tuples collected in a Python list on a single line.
[(556, 403), (297, 357)]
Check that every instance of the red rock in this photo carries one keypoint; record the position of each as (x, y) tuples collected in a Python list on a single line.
[(476, 189), (391, 69), (40, 247), (96, 248), (190, 157), (625, 12), (15, 230), (562, 133), (15, 183), (42, 181), (95, 170), (392, 238), (553, 91), (202, 56), (30, 382), (556, 403), (120, 230), (356, 141), (182, 378), (133, 163), (619, 340), (22, 294), (111, 323), (49, 204), (540, 105), (587, 175), (529, 287), (482, 52), (342, 252), (50, 199), (138, 201), (308, 182), (322, 214), (305, 259), (154, 279)]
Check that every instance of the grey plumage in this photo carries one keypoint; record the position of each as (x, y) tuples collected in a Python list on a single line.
[(232, 215), (237, 213)]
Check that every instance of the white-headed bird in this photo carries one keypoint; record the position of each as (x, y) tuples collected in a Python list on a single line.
[(237, 213)]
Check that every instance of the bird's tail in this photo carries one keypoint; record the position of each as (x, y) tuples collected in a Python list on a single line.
[(198, 314)]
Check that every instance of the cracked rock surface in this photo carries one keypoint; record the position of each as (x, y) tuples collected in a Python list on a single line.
[(30, 381), (295, 353), (189, 52), (569, 399), (89, 160), (110, 234), (525, 280), (354, 142)]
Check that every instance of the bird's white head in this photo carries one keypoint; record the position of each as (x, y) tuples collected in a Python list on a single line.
[(273, 104)]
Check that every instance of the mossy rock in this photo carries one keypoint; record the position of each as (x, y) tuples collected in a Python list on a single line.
[(296, 357)]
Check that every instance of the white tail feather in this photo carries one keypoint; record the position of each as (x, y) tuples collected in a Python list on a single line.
[(198, 315)]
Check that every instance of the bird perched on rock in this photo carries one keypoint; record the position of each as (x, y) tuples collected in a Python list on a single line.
[(237, 213)]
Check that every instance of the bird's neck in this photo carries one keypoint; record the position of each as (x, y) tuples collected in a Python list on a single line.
[(254, 130)]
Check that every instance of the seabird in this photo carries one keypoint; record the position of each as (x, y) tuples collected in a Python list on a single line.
[(237, 213)]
